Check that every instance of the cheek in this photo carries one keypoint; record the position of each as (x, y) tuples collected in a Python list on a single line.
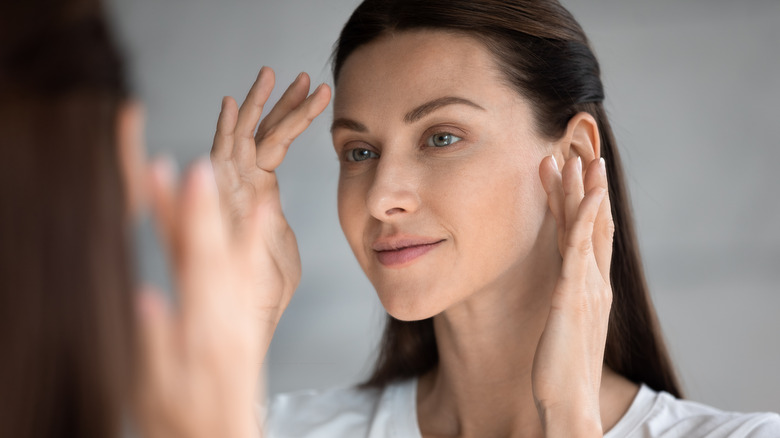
[(350, 200), (492, 190), (494, 208)]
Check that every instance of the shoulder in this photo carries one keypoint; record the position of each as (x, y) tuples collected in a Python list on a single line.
[(659, 414), (343, 412)]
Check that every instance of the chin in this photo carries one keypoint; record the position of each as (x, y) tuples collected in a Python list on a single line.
[(409, 305), (409, 316)]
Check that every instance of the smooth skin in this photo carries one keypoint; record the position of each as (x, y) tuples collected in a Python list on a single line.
[(520, 320), (198, 363), (520, 292)]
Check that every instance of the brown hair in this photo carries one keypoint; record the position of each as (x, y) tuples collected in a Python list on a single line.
[(547, 58), (65, 289)]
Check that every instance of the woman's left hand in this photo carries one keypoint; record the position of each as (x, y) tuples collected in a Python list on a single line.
[(567, 369)]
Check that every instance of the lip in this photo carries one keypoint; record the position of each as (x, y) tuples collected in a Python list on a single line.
[(399, 251)]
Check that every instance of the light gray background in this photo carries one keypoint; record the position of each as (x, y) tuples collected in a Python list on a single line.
[(693, 89)]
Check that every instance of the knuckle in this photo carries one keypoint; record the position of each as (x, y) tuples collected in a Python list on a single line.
[(610, 229), (585, 246), (580, 243), (608, 296)]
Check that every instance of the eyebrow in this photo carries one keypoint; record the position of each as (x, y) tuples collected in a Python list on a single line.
[(429, 107), (348, 124), (410, 117)]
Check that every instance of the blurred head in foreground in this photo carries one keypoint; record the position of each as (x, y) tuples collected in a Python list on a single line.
[(65, 319)]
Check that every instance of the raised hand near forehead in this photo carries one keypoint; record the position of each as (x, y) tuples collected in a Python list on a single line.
[(568, 363), (245, 156)]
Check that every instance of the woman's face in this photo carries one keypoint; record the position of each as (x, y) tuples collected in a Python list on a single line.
[(439, 194)]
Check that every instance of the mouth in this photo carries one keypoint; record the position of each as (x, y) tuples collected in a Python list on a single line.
[(401, 252)]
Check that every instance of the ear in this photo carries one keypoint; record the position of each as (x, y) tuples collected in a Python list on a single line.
[(580, 139), (131, 154)]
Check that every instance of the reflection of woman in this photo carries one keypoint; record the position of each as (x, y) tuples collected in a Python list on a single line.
[(70, 181), (478, 188), (65, 327)]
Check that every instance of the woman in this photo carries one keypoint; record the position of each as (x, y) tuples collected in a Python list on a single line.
[(478, 188)]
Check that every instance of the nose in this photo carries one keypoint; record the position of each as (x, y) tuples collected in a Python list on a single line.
[(394, 192)]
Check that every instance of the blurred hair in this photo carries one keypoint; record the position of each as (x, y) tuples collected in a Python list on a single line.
[(545, 56), (65, 285)]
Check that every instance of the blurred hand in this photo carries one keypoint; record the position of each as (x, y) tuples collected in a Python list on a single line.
[(567, 368), (198, 369), (236, 271)]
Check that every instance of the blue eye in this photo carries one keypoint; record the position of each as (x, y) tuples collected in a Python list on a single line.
[(441, 139), (360, 154)]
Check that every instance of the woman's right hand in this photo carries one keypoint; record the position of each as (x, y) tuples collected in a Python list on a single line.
[(244, 161)]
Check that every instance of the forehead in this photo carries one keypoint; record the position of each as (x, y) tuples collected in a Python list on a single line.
[(399, 70)]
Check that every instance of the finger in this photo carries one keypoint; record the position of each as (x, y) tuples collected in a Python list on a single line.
[(273, 146), (224, 138), (202, 235), (162, 190), (243, 156), (252, 108), (295, 94), (225, 170), (155, 346), (594, 176), (553, 186), (603, 243), (579, 236), (604, 226), (572, 189)]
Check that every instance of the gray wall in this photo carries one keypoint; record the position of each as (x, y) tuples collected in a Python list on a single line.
[(693, 90)]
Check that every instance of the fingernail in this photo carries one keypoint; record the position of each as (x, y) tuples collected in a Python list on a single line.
[(297, 78), (555, 162), (579, 164), (318, 88)]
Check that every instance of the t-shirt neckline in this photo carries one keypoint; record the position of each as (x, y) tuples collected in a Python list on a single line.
[(401, 401)]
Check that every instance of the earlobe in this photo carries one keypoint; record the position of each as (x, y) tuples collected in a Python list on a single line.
[(582, 138)]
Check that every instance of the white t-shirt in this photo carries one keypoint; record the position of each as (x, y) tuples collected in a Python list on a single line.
[(392, 413)]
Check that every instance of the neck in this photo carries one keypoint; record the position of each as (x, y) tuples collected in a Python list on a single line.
[(486, 345)]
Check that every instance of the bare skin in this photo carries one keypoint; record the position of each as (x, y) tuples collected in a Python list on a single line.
[(520, 321), (511, 235), (236, 267)]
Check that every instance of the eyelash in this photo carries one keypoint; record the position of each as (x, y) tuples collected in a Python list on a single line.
[(430, 139), (349, 154)]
